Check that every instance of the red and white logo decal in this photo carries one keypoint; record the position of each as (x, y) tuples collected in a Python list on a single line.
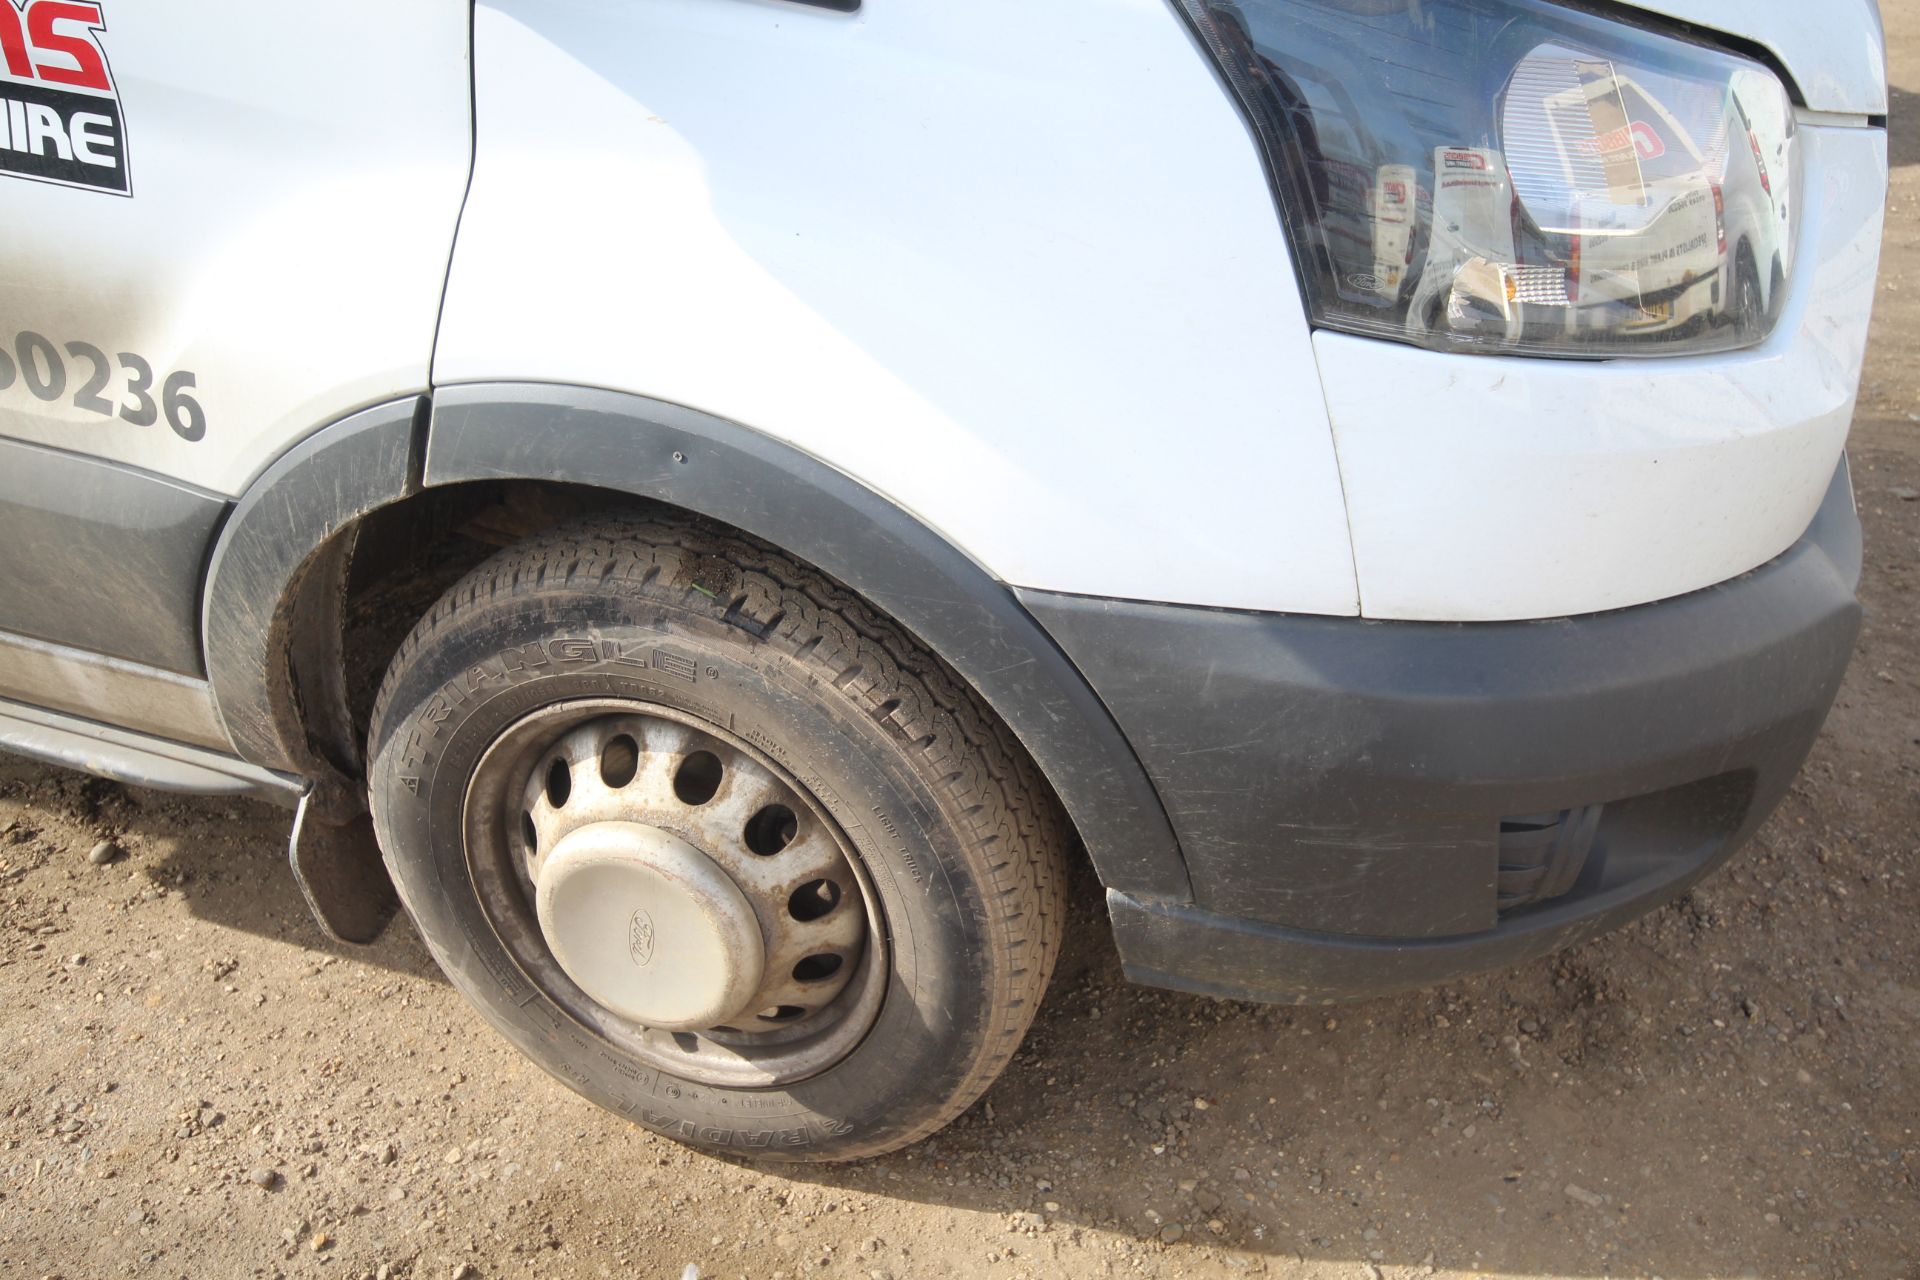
[(1646, 141), (60, 115)]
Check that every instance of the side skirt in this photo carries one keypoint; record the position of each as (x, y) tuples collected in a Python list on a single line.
[(137, 758), (144, 699)]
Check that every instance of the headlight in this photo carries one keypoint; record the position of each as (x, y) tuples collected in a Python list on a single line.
[(1514, 176)]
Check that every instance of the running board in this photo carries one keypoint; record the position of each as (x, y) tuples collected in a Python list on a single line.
[(137, 758)]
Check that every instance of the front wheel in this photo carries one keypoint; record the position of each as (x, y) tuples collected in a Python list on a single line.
[(715, 843), (1748, 310)]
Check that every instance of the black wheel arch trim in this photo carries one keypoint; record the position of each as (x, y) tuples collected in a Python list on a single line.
[(299, 519), (276, 581)]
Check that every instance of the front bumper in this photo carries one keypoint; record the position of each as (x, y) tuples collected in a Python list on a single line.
[(1366, 807)]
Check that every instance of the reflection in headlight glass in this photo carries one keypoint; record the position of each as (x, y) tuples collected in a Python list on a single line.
[(1515, 176)]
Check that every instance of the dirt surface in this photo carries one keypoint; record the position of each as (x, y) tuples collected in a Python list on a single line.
[(193, 1083)]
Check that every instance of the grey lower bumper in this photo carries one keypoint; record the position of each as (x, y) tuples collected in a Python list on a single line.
[(1349, 794)]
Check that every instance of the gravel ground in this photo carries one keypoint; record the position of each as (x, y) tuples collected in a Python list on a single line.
[(193, 1083)]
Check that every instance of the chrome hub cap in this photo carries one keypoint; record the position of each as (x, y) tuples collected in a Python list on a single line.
[(675, 890)]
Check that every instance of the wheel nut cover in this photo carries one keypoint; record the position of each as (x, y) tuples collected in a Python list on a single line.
[(649, 926)]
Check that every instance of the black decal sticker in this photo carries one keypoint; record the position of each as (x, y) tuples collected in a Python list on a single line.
[(60, 118)]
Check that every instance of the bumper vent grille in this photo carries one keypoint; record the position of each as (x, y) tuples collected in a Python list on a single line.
[(1542, 854)]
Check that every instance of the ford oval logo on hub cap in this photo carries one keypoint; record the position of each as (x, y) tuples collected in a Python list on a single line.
[(640, 938)]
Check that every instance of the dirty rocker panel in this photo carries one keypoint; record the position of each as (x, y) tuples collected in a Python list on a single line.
[(140, 698), (136, 758), (103, 557)]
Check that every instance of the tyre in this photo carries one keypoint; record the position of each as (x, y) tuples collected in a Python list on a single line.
[(1748, 310), (714, 842)]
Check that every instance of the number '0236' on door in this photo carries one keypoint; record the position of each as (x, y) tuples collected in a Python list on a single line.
[(123, 385)]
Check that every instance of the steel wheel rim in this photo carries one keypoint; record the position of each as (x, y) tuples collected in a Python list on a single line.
[(513, 829), (1746, 320)]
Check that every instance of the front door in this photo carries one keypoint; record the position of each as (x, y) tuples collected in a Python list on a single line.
[(223, 224)]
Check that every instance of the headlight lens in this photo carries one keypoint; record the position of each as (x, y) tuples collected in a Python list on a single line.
[(1513, 176)]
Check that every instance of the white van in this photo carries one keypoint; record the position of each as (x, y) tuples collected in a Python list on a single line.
[(717, 506), (1395, 213), (1472, 277), (1648, 252)]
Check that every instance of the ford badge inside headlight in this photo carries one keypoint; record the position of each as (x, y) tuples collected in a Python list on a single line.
[(1515, 176)]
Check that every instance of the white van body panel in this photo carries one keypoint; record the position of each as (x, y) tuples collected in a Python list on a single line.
[(1058, 320), (1542, 488), (1835, 50), (297, 172), (1015, 266)]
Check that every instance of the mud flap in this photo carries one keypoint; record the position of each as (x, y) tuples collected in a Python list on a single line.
[(341, 874)]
